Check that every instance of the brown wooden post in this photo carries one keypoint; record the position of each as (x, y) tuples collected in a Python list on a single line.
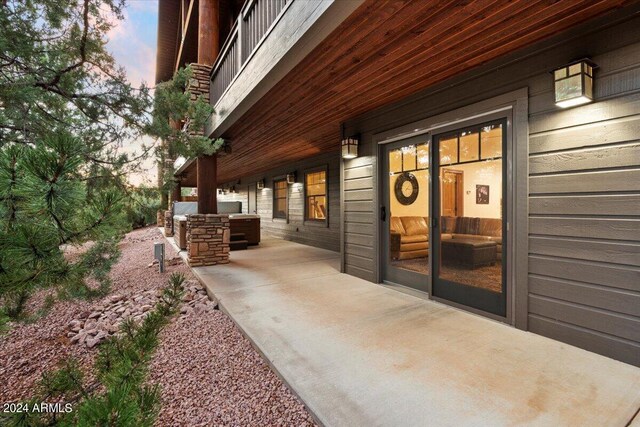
[(208, 48), (176, 196), (207, 184), (208, 31)]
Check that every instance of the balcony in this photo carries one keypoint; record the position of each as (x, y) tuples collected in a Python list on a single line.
[(267, 40)]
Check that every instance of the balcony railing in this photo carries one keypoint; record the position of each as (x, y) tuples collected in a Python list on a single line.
[(254, 23)]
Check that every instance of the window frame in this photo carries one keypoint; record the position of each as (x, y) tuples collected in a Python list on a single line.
[(306, 218), (286, 199), (475, 128)]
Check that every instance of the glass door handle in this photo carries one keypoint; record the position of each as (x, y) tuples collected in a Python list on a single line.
[(434, 222), (383, 213)]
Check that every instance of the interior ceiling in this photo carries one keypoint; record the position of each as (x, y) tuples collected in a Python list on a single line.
[(385, 51)]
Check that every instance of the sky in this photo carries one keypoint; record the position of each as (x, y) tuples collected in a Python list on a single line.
[(132, 42)]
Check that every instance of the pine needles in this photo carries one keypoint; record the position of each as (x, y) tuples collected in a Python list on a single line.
[(44, 206)]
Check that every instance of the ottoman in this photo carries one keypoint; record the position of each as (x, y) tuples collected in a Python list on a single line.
[(469, 252)]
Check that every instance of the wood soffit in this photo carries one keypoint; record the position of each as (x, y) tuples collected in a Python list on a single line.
[(169, 38), (385, 51), (168, 29)]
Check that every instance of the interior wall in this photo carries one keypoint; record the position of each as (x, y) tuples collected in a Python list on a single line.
[(481, 173), (421, 205)]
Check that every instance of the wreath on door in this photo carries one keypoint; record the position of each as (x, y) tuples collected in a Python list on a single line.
[(406, 188)]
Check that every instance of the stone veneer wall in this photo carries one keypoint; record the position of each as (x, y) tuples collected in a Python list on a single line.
[(208, 239), (168, 223), (199, 86)]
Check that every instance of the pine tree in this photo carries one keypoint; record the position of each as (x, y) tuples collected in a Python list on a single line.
[(178, 121), (66, 110)]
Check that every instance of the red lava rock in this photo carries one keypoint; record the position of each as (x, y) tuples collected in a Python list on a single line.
[(91, 342), (208, 371)]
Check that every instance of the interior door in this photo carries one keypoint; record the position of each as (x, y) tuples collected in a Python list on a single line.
[(469, 252), (404, 213), (452, 192)]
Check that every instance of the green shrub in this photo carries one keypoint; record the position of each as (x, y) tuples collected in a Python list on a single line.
[(143, 204), (119, 395)]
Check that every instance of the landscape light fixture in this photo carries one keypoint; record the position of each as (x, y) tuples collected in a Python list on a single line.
[(573, 83), (291, 178), (260, 184)]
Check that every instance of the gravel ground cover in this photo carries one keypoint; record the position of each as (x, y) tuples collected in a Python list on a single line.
[(208, 371)]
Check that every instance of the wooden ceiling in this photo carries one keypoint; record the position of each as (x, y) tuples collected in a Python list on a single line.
[(386, 50), (168, 29)]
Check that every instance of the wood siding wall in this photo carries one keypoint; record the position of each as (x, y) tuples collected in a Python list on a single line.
[(322, 235), (584, 184), (360, 212)]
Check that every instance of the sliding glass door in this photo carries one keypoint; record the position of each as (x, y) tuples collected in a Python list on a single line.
[(443, 215), (405, 213), (469, 262)]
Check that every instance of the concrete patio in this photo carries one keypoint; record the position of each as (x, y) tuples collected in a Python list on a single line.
[(358, 353)]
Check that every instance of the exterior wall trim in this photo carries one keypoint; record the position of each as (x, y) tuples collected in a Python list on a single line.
[(515, 104), (342, 219)]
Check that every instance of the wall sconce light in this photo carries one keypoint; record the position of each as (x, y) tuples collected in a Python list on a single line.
[(226, 146), (291, 178), (260, 184), (573, 83), (350, 148)]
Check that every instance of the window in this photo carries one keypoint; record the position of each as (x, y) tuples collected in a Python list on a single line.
[(315, 194), (472, 145), (280, 198)]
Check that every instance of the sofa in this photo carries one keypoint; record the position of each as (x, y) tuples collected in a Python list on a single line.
[(409, 236)]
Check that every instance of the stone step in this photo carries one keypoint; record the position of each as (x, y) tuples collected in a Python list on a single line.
[(238, 245)]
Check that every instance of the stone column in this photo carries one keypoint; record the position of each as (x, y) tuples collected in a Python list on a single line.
[(207, 184), (168, 223), (208, 239), (199, 84)]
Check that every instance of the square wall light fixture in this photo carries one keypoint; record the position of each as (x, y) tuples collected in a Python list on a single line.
[(350, 148), (291, 178), (573, 83)]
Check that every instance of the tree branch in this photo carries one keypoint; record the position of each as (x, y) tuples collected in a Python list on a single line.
[(83, 52)]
